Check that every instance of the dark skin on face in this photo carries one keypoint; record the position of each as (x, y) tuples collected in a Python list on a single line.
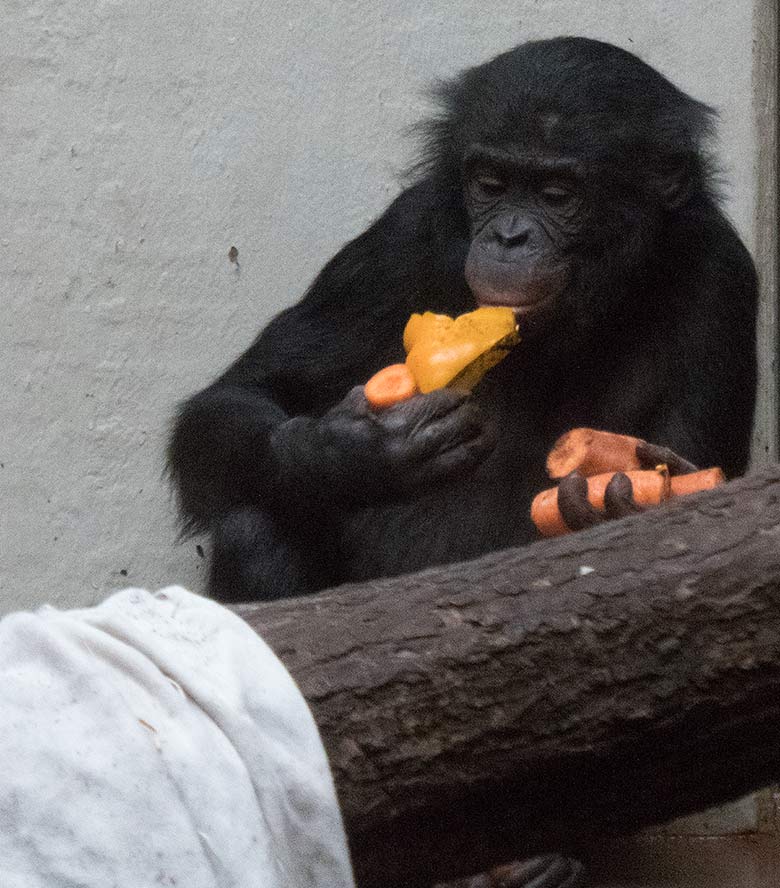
[(525, 215), (564, 178)]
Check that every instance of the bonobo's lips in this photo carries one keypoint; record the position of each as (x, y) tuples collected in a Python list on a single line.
[(524, 303), (526, 294), (518, 302)]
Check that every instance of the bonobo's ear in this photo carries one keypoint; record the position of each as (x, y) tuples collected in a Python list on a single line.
[(673, 180)]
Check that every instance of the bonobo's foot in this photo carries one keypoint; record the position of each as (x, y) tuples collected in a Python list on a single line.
[(578, 513), (549, 871)]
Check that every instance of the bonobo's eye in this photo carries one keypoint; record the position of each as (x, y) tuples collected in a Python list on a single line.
[(558, 194), (486, 186)]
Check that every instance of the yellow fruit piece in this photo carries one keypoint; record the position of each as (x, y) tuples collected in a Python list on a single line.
[(457, 352), (427, 326)]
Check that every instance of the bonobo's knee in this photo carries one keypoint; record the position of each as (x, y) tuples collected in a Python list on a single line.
[(254, 560)]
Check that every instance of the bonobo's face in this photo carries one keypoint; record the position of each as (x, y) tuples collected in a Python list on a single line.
[(525, 214)]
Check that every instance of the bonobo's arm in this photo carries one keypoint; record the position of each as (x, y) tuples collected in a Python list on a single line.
[(233, 447), (708, 371), (286, 422), (703, 384)]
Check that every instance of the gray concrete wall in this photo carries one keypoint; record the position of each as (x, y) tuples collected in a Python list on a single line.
[(140, 141)]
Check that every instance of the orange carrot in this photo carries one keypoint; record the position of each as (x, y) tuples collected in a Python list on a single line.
[(591, 452), (705, 479), (650, 488), (390, 385), (546, 515)]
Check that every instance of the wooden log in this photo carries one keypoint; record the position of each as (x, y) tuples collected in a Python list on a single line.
[(537, 698)]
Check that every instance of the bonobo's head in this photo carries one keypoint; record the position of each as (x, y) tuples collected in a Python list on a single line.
[(570, 158)]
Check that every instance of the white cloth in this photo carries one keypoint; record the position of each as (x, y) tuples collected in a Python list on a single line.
[(156, 740)]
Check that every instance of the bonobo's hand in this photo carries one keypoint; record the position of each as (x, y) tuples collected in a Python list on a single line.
[(359, 453), (573, 503)]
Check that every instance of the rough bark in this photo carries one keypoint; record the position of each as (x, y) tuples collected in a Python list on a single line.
[(535, 698)]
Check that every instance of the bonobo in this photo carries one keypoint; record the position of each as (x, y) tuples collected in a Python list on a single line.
[(564, 178)]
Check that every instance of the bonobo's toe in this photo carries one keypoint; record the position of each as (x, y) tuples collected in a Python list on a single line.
[(547, 871)]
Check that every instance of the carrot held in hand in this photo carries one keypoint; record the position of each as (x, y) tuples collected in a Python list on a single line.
[(705, 479), (390, 385), (590, 452), (649, 488)]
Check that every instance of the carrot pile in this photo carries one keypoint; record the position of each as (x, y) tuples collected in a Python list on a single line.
[(445, 352), (598, 456)]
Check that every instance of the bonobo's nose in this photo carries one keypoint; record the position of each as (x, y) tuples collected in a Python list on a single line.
[(512, 231)]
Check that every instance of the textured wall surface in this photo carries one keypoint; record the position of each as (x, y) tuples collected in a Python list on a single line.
[(140, 141)]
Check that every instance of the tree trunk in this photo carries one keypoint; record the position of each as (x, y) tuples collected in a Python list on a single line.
[(537, 698)]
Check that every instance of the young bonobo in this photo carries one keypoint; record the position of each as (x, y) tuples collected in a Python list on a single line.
[(565, 178)]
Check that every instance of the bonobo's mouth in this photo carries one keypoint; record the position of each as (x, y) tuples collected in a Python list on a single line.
[(525, 305), (526, 294)]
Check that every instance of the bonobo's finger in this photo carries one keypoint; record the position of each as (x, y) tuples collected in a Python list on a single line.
[(355, 401), (619, 497), (434, 434), (651, 455), (576, 511), (421, 409), (460, 459), (349, 423)]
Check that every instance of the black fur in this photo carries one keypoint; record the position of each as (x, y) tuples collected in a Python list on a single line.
[(651, 332)]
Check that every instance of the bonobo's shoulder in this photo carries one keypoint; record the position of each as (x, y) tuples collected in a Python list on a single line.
[(705, 241), (729, 259), (421, 202)]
